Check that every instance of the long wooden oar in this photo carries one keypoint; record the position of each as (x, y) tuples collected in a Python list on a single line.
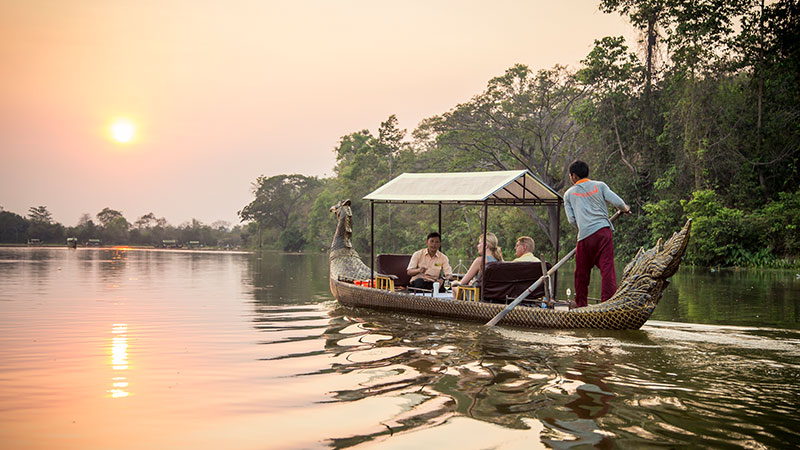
[(533, 287)]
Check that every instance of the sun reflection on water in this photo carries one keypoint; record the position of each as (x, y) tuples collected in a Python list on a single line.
[(119, 360)]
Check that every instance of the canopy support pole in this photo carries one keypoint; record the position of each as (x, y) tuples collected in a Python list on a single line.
[(440, 220), (558, 249), (372, 239), (483, 260)]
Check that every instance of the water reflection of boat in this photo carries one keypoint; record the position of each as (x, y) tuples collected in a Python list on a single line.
[(643, 281)]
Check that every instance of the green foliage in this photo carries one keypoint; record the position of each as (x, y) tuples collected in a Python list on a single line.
[(42, 227), (610, 67), (664, 217), (523, 120), (281, 205), (278, 199), (108, 215), (13, 228), (291, 240), (781, 219), (116, 230), (320, 223), (720, 235), (40, 215)]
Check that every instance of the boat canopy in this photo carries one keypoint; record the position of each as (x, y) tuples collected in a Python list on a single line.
[(507, 187), (498, 188)]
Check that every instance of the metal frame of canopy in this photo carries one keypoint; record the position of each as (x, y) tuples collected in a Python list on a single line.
[(499, 188)]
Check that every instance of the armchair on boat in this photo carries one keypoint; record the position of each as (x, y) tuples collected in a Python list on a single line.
[(506, 280), (393, 267)]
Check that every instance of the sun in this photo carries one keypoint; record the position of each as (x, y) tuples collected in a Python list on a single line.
[(122, 131)]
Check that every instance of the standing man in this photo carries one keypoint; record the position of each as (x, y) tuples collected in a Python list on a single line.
[(585, 205), (524, 249), (427, 265)]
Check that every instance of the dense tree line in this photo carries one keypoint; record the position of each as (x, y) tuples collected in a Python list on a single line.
[(701, 123), (110, 227)]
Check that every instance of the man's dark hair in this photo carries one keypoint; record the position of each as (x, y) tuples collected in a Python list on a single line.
[(434, 234), (579, 168)]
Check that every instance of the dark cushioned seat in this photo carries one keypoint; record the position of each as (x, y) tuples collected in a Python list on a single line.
[(510, 279), (391, 264)]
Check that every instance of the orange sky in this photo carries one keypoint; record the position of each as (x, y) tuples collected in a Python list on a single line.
[(222, 92)]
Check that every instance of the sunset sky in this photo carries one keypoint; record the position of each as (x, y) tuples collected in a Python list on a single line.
[(220, 92)]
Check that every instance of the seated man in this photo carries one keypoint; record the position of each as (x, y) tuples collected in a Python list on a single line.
[(428, 265), (524, 249)]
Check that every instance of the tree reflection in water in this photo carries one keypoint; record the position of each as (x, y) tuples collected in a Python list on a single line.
[(444, 370), (411, 378)]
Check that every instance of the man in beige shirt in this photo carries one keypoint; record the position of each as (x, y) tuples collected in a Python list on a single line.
[(429, 264), (524, 249)]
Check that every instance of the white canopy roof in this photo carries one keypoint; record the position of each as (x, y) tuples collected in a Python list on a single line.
[(511, 187)]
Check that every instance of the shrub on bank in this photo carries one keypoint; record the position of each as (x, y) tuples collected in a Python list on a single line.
[(726, 236)]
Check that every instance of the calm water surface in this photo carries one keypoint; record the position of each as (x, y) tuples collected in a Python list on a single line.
[(108, 348)]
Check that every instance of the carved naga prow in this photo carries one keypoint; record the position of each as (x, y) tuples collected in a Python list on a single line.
[(344, 260), (647, 275)]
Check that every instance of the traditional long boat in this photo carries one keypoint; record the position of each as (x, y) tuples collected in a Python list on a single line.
[(639, 291)]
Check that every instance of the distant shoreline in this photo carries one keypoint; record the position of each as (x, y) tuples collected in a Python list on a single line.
[(128, 247)]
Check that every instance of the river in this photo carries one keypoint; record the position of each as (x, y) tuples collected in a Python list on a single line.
[(122, 348)]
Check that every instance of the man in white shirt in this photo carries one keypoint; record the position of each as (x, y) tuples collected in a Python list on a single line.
[(429, 265)]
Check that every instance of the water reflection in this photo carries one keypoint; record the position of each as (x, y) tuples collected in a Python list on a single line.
[(558, 388), (119, 360), (250, 351), (570, 388), (280, 278)]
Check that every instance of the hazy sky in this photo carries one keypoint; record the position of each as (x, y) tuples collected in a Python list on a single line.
[(224, 91)]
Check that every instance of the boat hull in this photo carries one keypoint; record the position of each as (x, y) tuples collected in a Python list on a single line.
[(617, 316)]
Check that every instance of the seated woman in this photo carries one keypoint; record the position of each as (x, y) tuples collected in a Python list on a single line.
[(494, 253)]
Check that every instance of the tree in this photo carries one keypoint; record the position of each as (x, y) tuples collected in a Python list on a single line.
[(221, 225), (390, 143), (108, 215), (146, 221), (277, 201), (364, 162), (114, 226), (768, 51), (12, 227), (42, 226), (522, 120), (116, 231), (85, 229), (649, 17), (610, 73), (320, 222), (40, 215)]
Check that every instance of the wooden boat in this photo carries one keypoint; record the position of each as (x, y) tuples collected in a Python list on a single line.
[(643, 281)]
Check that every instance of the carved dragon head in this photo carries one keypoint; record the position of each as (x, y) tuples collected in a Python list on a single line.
[(344, 227), (646, 275)]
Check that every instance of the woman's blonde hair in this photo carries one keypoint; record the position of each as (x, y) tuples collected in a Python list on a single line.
[(493, 245)]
